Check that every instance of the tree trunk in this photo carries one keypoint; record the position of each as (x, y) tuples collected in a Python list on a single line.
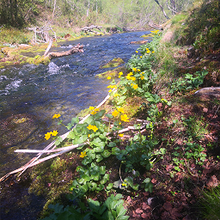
[(162, 9)]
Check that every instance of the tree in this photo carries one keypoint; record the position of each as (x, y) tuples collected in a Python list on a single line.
[(162, 9)]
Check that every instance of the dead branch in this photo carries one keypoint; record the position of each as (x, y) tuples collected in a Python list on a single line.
[(90, 28)]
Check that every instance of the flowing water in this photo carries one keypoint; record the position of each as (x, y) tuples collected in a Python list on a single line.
[(65, 86)]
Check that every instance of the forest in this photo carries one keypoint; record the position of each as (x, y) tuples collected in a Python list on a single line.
[(67, 13)]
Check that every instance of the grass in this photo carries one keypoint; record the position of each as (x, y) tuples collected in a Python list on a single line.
[(210, 204)]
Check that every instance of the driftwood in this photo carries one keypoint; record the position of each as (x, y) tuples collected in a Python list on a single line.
[(74, 49), (90, 28)]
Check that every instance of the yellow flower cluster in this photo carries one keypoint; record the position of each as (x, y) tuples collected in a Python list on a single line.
[(120, 74), (109, 77), (129, 76), (155, 32), (83, 154), (51, 133), (93, 109), (142, 77), (92, 127), (121, 135), (56, 116), (112, 87)]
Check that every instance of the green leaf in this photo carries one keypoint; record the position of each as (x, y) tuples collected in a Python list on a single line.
[(99, 149), (115, 151), (110, 186), (106, 153), (89, 120), (109, 116), (120, 210), (99, 158), (99, 114), (94, 205), (102, 170), (75, 121), (100, 187), (122, 217), (92, 186), (105, 179), (98, 142), (58, 141), (129, 180), (112, 144)]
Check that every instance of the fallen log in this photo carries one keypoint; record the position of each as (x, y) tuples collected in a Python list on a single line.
[(90, 28), (208, 93), (74, 49)]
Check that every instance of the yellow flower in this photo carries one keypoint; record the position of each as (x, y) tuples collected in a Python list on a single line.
[(110, 90), (94, 128), (91, 108), (47, 135), (111, 86), (135, 86), (153, 52), (54, 133), (148, 51), (83, 154), (133, 78), (121, 135), (139, 70), (88, 135), (128, 77), (120, 74), (155, 32), (136, 51), (56, 116), (94, 111), (140, 56), (109, 77), (124, 184), (124, 118), (115, 113), (90, 127), (147, 48), (120, 109), (130, 74), (134, 69), (116, 94), (142, 77)]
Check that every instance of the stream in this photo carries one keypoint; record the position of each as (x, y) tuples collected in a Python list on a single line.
[(33, 94)]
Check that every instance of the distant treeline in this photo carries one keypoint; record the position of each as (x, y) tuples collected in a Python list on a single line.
[(124, 13)]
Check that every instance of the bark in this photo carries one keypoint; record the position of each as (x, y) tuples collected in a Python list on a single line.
[(164, 13)]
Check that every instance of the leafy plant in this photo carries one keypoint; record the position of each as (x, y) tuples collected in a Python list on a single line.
[(188, 82), (112, 208)]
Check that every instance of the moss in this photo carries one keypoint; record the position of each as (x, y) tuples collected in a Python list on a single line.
[(112, 73), (113, 63)]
